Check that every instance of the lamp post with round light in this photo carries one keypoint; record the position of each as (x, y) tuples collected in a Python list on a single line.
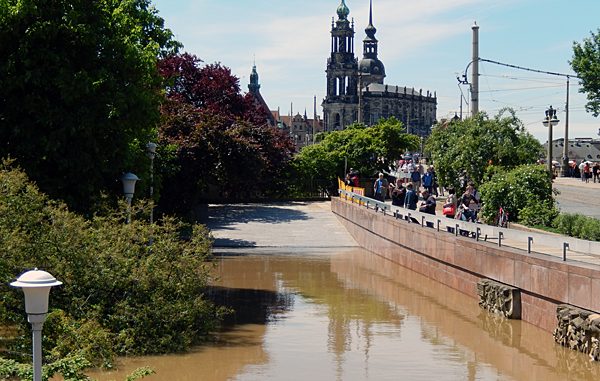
[(36, 286), (550, 121), (151, 152), (129, 180)]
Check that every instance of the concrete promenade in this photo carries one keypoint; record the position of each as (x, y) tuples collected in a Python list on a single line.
[(577, 196), (289, 226)]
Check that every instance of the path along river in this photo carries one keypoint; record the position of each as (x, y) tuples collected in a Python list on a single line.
[(347, 314)]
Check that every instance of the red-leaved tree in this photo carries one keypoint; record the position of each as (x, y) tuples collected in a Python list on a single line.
[(222, 143)]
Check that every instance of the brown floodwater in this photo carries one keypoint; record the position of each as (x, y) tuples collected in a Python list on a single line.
[(355, 316)]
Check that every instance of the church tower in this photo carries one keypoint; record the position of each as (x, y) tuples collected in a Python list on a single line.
[(341, 103), (371, 68), (254, 86)]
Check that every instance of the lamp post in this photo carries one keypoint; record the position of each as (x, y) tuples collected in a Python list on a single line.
[(129, 180), (151, 152), (36, 286), (550, 121)]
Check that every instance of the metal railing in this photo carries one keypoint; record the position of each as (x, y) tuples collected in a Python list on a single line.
[(532, 242)]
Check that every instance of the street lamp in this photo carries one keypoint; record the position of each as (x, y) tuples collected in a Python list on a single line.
[(151, 152), (550, 121), (129, 180), (36, 286)]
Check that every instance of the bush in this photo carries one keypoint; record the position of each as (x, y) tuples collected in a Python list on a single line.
[(538, 214), (578, 225), (128, 289), (527, 189)]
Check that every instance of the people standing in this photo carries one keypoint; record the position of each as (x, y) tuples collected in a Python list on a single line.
[(587, 172), (596, 172), (581, 170), (428, 180), (398, 193), (411, 198), (415, 177), (475, 203), (380, 188)]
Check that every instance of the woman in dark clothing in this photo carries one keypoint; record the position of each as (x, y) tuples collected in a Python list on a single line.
[(398, 194)]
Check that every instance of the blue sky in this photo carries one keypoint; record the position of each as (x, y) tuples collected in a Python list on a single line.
[(423, 44)]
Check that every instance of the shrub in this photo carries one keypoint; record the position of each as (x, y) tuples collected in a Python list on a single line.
[(564, 223), (527, 188), (128, 288), (578, 225), (538, 214)]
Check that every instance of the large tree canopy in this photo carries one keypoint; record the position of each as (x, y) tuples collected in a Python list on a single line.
[(366, 149), (78, 87), (222, 144), (586, 63), (470, 146)]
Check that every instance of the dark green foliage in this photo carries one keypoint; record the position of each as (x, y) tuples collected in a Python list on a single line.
[(121, 294), (367, 149), (471, 145), (526, 189), (78, 88), (586, 63), (578, 225)]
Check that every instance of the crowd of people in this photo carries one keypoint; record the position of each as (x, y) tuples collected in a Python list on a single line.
[(414, 180)]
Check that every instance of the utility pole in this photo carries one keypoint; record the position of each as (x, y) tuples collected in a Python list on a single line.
[(360, 117), (475, 72), (565, 163)]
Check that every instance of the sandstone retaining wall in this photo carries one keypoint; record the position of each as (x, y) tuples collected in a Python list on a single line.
[(460, 262)]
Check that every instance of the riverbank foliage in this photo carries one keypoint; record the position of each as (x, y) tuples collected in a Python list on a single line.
[(79, 92), (128, 288), (525, 192), (466, 148), (367, 150)]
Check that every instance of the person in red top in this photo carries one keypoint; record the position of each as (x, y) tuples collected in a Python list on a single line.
[(587, 172)]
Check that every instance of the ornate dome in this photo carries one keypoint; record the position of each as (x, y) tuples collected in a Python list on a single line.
[(371, 66), (343, 11)]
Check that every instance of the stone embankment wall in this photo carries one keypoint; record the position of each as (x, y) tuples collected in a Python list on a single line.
[(578, 329), (499, 298), (461, 262)]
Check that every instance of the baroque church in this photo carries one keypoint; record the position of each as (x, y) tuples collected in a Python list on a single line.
[(356, 91)]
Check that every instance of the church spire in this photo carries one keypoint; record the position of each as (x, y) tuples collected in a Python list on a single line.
[(370, 30), (254, 85), (343, 11)]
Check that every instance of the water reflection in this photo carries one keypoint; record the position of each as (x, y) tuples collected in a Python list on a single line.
[(356, 316)]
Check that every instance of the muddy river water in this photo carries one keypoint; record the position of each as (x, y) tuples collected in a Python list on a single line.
[(351, 315)]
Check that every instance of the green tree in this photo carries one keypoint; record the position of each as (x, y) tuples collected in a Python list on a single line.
[(366, 149), (79, 88), (586, 63), (470, 146)]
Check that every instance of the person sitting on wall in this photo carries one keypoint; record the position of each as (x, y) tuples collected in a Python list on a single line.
[(428, 204)]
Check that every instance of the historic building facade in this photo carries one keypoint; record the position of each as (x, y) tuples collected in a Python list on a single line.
[(356, 91)]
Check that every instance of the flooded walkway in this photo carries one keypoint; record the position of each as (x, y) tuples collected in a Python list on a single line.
[(310, 305), (291, 225)]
